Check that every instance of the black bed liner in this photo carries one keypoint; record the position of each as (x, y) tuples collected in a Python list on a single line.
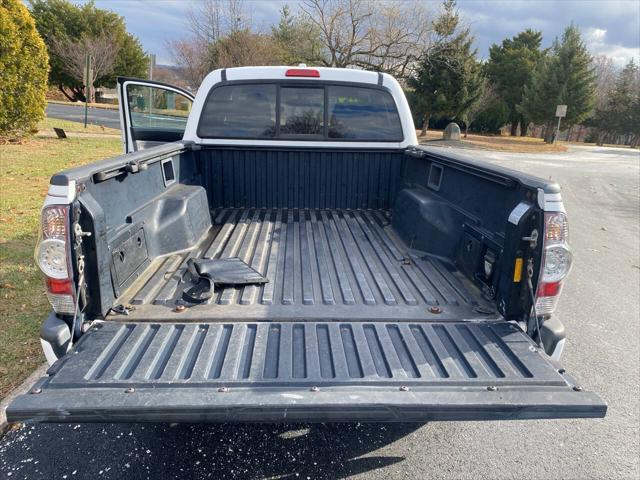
[(306, 371), (321, 264)]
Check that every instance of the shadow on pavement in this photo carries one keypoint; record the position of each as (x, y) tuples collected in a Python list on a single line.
[(198, 451)]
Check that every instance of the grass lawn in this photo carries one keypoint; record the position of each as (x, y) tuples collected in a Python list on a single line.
[(45, 128), (25, 171), (497, 143)]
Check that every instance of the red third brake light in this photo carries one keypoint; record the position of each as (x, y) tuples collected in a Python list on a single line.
[(302, 72)]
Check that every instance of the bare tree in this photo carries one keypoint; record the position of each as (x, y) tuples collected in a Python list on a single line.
[(606, 75), (244, 47), (102, 49), (400, 32), (209, 22), (383, 36), (205, 20), (190, 55)]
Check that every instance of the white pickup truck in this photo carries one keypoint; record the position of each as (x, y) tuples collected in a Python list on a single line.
[(280, 248)]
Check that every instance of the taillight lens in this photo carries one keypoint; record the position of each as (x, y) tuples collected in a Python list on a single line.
[(53, 256), (54, 221), (557, 260), (557, 263)]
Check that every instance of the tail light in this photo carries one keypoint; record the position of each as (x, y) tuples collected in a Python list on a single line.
[(53, 256), (557, 259)]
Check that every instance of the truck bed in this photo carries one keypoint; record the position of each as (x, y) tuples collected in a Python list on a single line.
[(321, 265)]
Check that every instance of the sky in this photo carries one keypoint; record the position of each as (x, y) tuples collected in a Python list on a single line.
[(610, 27)]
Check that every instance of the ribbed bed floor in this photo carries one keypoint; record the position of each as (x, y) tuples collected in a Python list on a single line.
[(321, 264)]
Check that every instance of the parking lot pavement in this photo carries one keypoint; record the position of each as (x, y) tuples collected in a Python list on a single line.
[(599, 308)]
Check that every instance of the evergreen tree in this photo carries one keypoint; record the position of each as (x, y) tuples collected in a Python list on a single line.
[(493, 118), (620, 114), (23, 72), (476, 93), (625, 102), (510, 68), (297, 40), (448, 78), (634, 105), (565, 77)]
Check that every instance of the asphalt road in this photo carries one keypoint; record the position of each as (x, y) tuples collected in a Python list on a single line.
[(75, 113), (599, 308)]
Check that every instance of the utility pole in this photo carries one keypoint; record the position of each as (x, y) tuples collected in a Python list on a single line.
[(87, 86), (87, 63), (152, 63)]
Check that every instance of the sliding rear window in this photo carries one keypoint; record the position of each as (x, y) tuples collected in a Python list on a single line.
[(300, 112)]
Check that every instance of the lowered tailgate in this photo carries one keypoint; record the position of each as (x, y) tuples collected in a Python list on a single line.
[(304, 371)]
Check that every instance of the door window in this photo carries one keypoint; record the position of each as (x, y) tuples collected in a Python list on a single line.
[(157, 108)]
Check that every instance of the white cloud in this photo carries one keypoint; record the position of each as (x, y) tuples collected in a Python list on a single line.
[(596, 41), (596, 35)]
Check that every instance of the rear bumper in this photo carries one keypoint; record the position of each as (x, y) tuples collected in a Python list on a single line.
[(289, 405), (553, 337), (54, 337)]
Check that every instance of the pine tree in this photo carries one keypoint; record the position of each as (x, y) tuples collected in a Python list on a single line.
[(510, 68), (297, 39), (448, 78), (620, 113), (565, 77), (626, 102), (24, 66), (634, 105)]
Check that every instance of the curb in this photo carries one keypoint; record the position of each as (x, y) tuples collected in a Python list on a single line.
[(23, 388)]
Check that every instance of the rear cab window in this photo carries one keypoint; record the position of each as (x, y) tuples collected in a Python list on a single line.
[(239, 111), (362, 114), (288, 111)]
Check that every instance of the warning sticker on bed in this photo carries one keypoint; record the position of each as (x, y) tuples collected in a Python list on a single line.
[(518, 212)]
